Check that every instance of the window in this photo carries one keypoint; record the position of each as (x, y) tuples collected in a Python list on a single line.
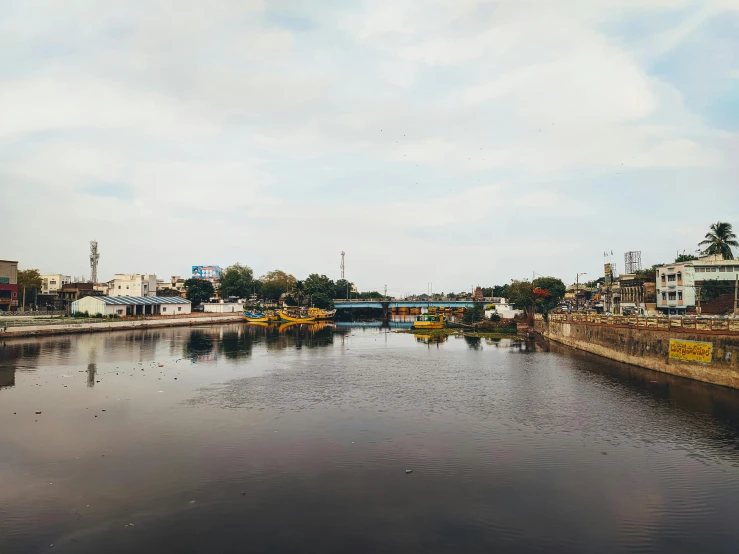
[(670, 278), (700, 269), (663, 278), (679, 295), (164, 308), (119, 287), (119, 312), (179, 309), (664, 296), (671, 296), (126, 287), (679, 276)]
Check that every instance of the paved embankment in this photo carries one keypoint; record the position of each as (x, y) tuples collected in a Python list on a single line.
[(693, 351), (31, 330)]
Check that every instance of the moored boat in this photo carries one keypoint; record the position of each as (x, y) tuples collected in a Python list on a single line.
[(255, 317), (296, 316), (429, 321), (321, 315)]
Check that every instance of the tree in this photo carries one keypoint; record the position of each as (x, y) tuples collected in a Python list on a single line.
[(276, 283), (521, 295), (474, 314), (713, 288), (199, 291), (548, 292), (341, 288), (501, 291), (685, 258), (237, 280), (719, 241), (30, 280), (487, 292), (298, 292)]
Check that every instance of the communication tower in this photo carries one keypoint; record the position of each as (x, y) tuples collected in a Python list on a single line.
[(94, 257), (632, 261), (342, 265)]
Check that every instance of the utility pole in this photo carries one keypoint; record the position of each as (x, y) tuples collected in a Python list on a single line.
[(24, 299), (342, 264), (736, 295)]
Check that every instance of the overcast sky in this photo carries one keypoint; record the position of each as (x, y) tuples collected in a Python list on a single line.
[(454, 141)]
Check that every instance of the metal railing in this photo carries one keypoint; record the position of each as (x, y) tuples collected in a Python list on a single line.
[(730, 324)]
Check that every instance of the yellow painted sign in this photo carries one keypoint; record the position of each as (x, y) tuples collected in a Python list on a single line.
[(691, 351)]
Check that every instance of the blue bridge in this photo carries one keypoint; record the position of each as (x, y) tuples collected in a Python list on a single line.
[(385, 304)]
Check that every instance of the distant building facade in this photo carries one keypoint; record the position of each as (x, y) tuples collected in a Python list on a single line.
[(52, 283), (8, 285), (678, 285), (133, 284)]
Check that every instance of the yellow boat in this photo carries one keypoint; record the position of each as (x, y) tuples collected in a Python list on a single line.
[(296, 316), (255, 317), (321, 315), (429, 321)]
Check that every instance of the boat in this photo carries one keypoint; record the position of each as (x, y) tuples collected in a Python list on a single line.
[(255, 317), (429, 321), (295, 315), (321, 314)]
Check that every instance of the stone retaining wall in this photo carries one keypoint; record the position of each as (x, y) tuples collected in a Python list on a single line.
[(650, 347)]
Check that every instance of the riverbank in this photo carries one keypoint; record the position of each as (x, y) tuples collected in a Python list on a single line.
[(43, 330), (702, 355), (447, 332)]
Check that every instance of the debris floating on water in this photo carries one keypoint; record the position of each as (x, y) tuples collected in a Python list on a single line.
[(407, 471)]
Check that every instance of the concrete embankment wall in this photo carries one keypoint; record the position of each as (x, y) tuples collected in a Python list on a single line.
[(62, 329), (650, 348)]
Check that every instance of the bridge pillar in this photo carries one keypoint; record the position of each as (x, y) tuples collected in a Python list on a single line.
[(385, 310)]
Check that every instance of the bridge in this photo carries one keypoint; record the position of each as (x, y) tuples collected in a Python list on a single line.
[(385, 304)]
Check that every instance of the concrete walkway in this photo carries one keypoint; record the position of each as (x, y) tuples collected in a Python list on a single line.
[(31, 330)]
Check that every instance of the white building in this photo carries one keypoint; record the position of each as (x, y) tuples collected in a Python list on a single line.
[(133, 284), (132, 305), (223, 307), (50, 284), (678, 285)]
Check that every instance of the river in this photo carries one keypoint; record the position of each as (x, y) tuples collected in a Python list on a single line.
[(248, 439)]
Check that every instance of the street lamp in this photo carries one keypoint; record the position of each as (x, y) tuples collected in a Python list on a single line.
[(577, 290)]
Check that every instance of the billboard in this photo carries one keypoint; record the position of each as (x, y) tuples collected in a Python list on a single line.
[(207, 272), (691, 351)]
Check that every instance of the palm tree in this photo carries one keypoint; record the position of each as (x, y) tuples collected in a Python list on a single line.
[(720, 240), (299, 292)]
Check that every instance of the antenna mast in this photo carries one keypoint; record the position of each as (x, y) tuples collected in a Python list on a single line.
[(94, 257), (342, 265)]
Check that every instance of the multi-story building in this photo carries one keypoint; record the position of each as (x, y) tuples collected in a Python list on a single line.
[(8, 285), (679, 284), (50, 284), (133, 284)]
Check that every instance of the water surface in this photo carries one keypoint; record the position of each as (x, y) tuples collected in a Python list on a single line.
[(248, 439)]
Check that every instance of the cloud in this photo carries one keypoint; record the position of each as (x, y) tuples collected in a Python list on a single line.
[(278, 135)]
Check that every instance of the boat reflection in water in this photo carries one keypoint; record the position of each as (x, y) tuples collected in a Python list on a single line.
[(429, 339)]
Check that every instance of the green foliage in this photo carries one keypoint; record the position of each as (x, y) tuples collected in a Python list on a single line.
[(487, 291), (474, 314), (521, 295), (341, 287), (501, 291), (371, 295), (30, 280), (495, 317), (685, 258), (719, 241), (648, 274), (199, 291), (556, 289), (237, 280), (276, 283), (713, 288), (322, 300)]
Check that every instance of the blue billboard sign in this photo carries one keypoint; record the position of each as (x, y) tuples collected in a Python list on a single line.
[(209, 272)]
